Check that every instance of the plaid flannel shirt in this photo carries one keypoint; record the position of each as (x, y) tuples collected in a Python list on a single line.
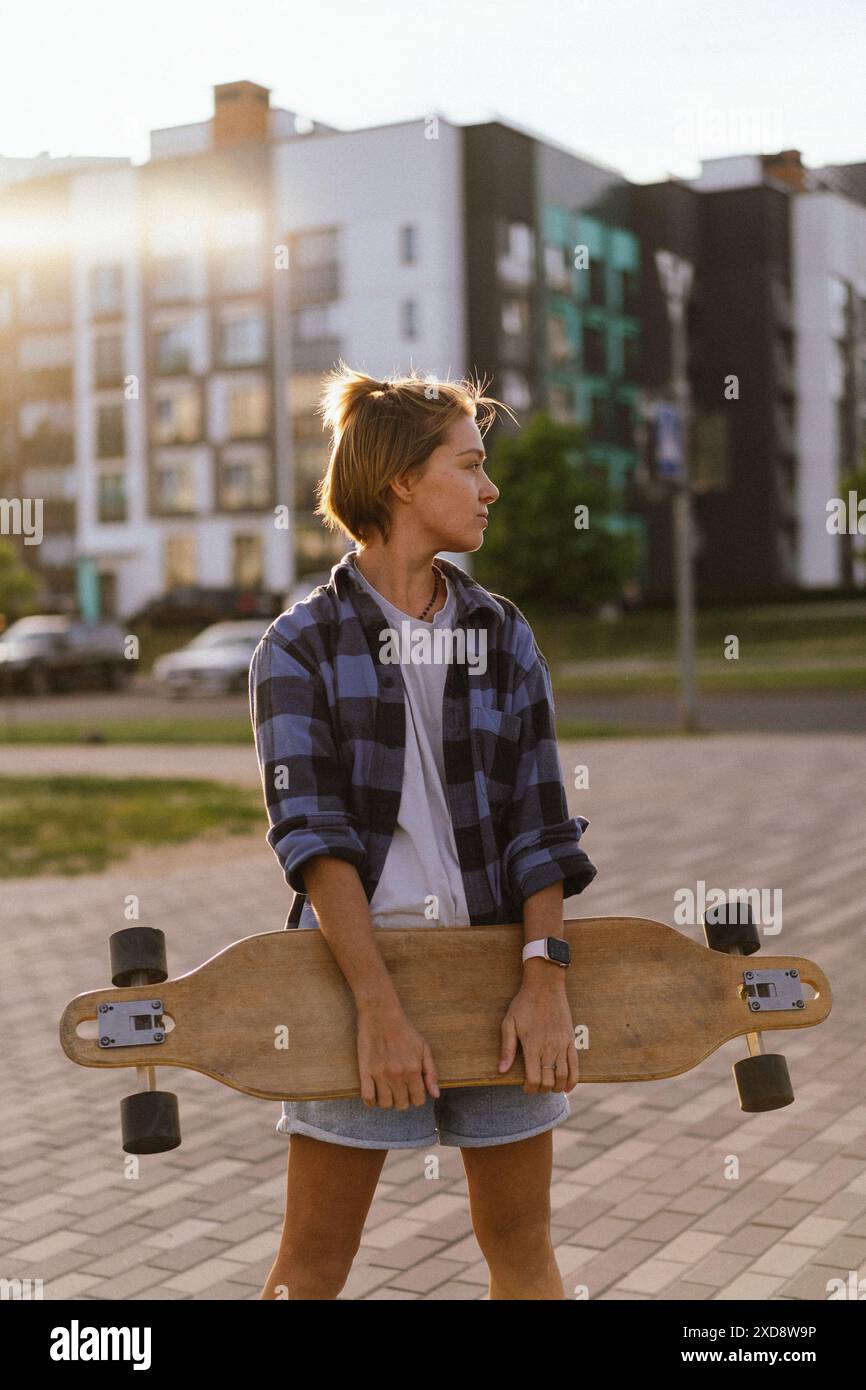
[(329, 723)]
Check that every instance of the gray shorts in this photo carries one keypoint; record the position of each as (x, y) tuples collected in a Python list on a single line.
[(462, 1116)]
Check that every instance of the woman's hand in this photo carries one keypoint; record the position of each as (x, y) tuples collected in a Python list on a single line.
[(394, 1060), (540, 1016)]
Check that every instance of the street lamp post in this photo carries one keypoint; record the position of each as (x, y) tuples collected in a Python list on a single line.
[(676, 277)]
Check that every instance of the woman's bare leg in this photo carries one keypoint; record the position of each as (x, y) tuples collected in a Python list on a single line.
[(509, 1196), (329, 1188)]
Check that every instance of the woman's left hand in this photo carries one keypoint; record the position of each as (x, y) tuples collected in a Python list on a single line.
[(540, 1017)]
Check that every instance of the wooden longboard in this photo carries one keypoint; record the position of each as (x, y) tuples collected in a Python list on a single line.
[(272, 1014)]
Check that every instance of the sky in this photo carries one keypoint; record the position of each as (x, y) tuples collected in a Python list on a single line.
[(649, 87)]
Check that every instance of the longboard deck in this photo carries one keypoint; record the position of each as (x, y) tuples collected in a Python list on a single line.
[(654, 1004)]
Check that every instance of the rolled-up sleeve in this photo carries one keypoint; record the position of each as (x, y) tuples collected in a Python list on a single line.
[(302, 777), (543, 845)]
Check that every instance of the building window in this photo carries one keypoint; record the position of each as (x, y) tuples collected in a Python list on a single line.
[(305, 390), (176, 415), (179, 561), (561, 348), (313, 249), (310, 459), (624, 423), (408, 244), (106, 289), (47, 432), (516, 260), (515, 390), (243, 341), (111, 497), (175, 488), (631, 356), (241, 270), (597, 290), (173, 277), (108, 359), (515, 317), (598, 419), (110, 440), (249, 411), (316, 323), (562, 404), (174, 349), (244, 483), (594, 350), (630, 292), (557, 268), (409, 318), (43, 351), (247, 569)]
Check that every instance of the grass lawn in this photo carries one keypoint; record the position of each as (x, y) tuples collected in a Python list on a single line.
[(184, 729), (74, 825), (228, 731)]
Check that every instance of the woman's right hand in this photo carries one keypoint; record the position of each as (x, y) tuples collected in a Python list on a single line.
[(394, 1060)]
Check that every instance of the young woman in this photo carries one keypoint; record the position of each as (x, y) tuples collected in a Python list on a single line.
[(419, 791)]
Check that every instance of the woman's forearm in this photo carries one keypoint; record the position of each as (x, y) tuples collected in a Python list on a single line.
[(337, 894)]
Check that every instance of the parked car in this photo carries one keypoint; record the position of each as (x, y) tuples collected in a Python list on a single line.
[(199, 603), (216, 662), (53, 652), (302, 588)]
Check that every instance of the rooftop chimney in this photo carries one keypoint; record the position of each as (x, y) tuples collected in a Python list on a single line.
[(786, 167), (240, 113)]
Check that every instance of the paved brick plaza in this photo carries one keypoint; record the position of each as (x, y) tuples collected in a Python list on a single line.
[(642, 1209)]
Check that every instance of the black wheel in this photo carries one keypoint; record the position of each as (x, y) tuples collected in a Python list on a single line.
[(149, 1122), (135, 950), (730, 927), (763, 1082)]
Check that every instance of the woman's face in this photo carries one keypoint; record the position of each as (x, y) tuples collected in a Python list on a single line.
[(451, 497)]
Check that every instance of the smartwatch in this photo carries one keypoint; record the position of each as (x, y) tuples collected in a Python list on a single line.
[(551, 948)]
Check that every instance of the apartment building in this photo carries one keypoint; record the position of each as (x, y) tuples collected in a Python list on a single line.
[(777, 364), (164, 330)]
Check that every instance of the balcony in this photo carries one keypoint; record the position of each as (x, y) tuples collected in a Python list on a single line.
[(512, 271), (47, 446), (780, 300), (315, 284), (314, 356)]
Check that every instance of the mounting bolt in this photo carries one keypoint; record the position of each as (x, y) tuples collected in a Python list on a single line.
[(103, 1008), (750, 974), (753, 1005), (800, 1003), (156, 1003), (158, 1037), (105, 1041)]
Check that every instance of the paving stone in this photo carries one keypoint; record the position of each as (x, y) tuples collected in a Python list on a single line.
[(424, 1276), (718, 1268), (645, 1159)]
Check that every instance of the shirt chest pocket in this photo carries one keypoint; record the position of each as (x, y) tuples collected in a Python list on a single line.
[(496, 749)]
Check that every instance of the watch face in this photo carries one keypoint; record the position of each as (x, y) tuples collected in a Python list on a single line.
[(559, 950)]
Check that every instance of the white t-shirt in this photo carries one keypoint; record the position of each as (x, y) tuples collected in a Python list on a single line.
[(422, 860)]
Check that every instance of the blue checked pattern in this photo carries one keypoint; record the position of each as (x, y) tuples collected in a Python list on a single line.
[(329, 723)]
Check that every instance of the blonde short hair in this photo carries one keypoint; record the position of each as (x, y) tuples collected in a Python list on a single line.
[(381, 429)]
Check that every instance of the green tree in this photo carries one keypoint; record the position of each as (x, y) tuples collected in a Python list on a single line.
[(17, 585), (533, 550)]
